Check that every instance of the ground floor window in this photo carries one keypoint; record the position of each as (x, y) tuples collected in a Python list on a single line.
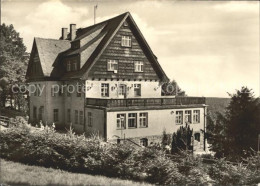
[(68, 116), (188, 116), (120, 120), (55, 115), (179, 117), (90, 119), (143, 117), (144, 142), (41, 110), (76, 117), (132, 120), (197, 137), (196, 116), (81, 118), (34, 113)]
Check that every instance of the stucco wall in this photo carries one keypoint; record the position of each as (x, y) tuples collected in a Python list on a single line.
[(158, 120), (148, 89), (98, 125), (48, 101)]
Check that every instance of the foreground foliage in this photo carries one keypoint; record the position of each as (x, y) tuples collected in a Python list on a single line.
[(235, 133), (91, 155)]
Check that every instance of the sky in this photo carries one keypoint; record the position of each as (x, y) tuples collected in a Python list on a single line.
[(209, 47)]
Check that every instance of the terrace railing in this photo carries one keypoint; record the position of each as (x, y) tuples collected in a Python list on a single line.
[(144, 101)]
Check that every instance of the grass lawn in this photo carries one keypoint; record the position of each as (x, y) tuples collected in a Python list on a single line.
[(19, 174)]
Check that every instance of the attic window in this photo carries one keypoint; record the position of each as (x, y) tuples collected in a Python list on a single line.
[(126, 41), (125, 23), (139, 66), (68, 66), (112, 65)]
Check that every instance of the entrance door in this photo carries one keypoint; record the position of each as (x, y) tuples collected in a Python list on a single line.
[(122, 91)]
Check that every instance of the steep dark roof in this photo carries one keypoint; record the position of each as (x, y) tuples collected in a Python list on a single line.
[(48, 50), (98, 37)]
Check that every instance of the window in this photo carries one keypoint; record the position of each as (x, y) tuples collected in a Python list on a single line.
[(34, 113), (197, 137), (143, 118), (120, 120), (188, 116), (196, 116), (81, 117), (104, 90), (55, 115), (179, 117), (125, 23), (75, 65), (132, 120), (139, 66), (122, 90), (90, 119), (76, 117), (126, 41), (144, 142), (68, 116), (79, 91), (112, 65), (68, 66), (41, 109), (137, 90)]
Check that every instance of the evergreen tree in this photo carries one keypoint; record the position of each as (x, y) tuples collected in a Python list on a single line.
[(182, 139), (237, 131)]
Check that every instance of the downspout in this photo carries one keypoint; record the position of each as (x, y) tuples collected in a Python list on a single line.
[(205, 124)]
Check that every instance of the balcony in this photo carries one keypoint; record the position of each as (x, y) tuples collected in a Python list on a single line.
[(145, 101)]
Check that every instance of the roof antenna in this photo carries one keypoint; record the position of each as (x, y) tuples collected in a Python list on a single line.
[(95, 9)]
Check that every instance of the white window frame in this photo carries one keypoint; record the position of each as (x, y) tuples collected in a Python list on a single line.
[(122, 90), (132, 116), (143, 119), (179, 117), (126, 41), (196, 116), (121, 121), (139, 66), (104, 89), (90, 119), (112, 65), (137, 87), (187, 114)]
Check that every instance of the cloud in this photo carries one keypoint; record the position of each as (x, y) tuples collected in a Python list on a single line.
[(48, 18), (238, 6)]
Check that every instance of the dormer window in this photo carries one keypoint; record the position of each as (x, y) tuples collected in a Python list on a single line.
[(68, 66), (112, 65), (75, 65), (126, 41), (139, 66)]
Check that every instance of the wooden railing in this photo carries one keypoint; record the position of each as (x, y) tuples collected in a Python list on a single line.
[(144, 101)]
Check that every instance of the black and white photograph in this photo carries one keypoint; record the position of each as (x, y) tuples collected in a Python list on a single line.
[(121, 92)]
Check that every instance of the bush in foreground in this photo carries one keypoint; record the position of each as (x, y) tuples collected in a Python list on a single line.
[(91, 155)]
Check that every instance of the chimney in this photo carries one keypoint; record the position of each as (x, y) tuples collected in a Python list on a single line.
[(64, 33), (72, 31)]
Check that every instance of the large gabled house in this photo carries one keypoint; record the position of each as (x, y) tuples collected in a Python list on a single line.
[(122, 79)]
